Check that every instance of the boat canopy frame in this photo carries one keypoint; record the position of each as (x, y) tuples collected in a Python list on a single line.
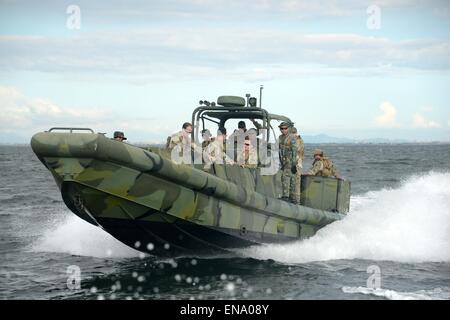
[(225, 113)]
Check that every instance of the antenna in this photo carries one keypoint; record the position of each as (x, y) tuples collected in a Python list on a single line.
[(260, 95)]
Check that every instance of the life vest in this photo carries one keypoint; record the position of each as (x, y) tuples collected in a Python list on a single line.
[(288, 149)]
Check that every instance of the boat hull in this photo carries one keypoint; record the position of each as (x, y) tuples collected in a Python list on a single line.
[(154, 231), (156, 206)]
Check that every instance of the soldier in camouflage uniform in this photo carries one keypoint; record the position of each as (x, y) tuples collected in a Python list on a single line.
[(288, 158), (236, 140), (248, 157), (295, 187), (183, 137), (207, 138), (323, 166), (215, 151)]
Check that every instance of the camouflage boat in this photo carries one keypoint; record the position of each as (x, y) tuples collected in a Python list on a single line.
[(152, 203)]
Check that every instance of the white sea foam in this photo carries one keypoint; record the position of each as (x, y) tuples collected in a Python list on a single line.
[(435, 294), (407, 224), (76, 236)]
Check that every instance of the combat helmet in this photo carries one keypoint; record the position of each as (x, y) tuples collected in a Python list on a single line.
[(318, 152), (284, 124), (119, 134)]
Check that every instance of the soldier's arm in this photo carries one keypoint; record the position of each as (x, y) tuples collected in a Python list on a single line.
[(281, 156), (294, 146), (256, 124), (301, 148), (336, 173), (317, 167), (228, 160), (300, 154), (196, 147)]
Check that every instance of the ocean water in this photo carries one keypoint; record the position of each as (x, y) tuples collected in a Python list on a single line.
[(394, 243)]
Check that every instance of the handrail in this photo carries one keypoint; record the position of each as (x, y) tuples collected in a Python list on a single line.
[(70, 129)]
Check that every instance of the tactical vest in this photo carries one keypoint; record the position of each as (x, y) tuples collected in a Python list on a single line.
[(288, 149)]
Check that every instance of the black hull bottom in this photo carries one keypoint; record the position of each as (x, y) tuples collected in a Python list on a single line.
[(179, 237), (168, 236)]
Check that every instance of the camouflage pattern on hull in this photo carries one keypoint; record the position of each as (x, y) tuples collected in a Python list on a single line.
[(140, 196)]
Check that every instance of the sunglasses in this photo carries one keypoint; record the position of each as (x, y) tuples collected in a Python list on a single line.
[(283, 128)]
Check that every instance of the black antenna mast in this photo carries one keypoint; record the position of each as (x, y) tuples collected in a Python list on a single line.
[(260, 95)]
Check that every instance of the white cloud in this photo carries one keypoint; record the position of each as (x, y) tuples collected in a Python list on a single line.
[(388, 118), (21, 112), (230, 10), (420, 121), (448, 122), (189, 52), (23, 116)]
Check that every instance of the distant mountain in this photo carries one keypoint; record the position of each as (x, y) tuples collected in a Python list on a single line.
[(382, 140), (323, 138)]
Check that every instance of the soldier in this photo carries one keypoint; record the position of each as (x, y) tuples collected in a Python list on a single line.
[(323, 166), (214, 152), (288, 150), (182, 137), (119, 136), (240, 131), (207, 138), (248, 157), (236, 139), (181, 141), (295, 187), (242, 127), (300, 150)]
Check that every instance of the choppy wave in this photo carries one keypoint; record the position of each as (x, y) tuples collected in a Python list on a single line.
[(407, 224), (435, 294)]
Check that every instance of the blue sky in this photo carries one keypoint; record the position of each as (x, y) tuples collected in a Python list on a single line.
[(142, 66)]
